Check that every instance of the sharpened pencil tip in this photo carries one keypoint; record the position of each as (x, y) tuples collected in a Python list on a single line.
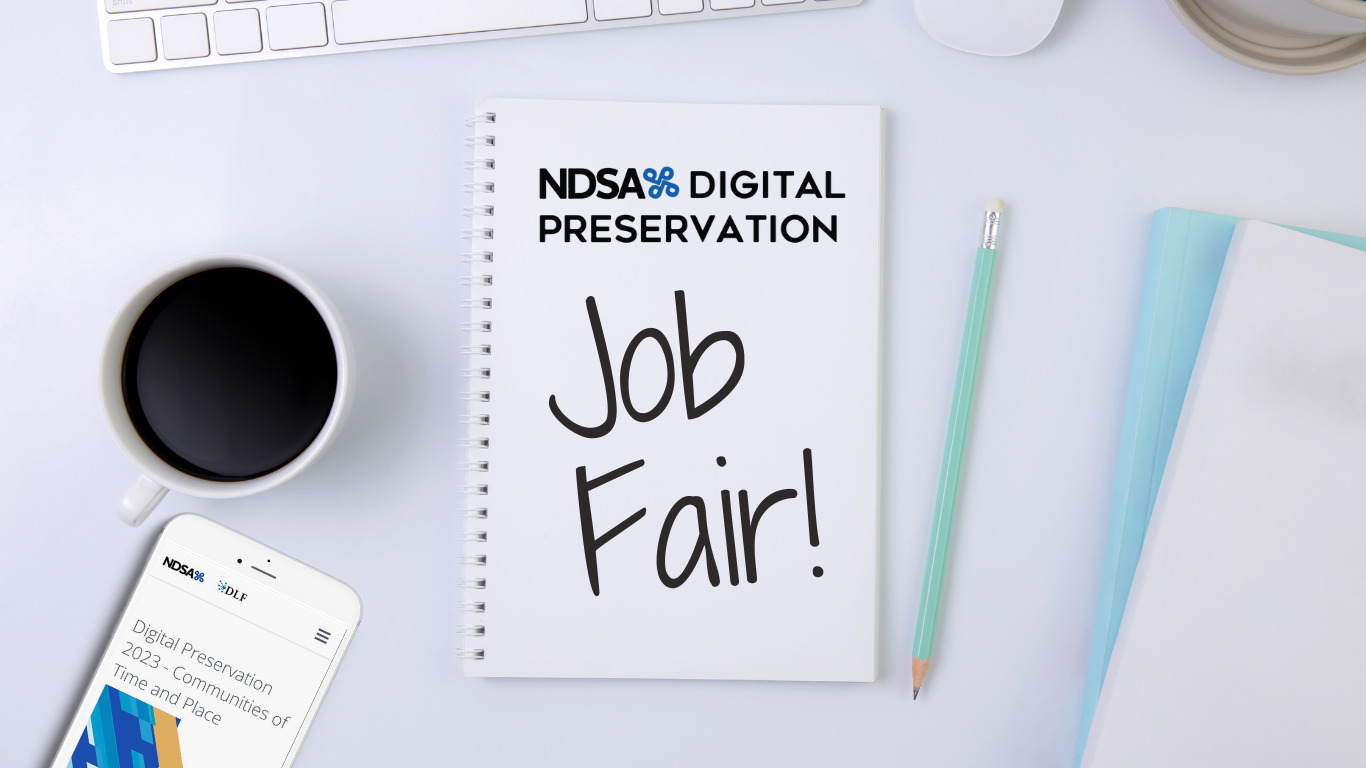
[(918, 669)]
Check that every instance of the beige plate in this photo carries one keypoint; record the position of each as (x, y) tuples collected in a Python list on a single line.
[(1293, 56)]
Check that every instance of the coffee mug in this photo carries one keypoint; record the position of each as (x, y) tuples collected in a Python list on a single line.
[(221, 377)]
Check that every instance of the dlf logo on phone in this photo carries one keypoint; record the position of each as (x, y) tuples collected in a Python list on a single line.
[(183, 569), (231, 591)]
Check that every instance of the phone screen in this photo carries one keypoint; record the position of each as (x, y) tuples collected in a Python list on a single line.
[(208, 668)]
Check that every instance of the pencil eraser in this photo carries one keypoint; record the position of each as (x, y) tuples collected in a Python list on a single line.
[(996, 205)]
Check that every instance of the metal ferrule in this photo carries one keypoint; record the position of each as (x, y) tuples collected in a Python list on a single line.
[(991, 223)]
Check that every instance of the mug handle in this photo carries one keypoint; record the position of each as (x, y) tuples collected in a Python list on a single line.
[(140, 500)]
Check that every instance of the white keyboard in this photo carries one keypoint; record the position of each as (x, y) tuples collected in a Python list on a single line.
[(139, 35)]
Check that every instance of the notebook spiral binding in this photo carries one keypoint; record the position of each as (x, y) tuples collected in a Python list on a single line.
[(476, 372)]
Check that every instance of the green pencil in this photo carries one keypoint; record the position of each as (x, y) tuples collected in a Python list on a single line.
[(947, 499)]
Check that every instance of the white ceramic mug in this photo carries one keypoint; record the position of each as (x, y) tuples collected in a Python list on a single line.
[(157, 476)]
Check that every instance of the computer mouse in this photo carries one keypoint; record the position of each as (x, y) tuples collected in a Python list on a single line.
[(989, 27)]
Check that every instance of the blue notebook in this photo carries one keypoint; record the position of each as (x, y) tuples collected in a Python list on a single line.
[(1185, 256)]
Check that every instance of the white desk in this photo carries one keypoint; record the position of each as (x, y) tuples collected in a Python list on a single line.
[(348, 168)]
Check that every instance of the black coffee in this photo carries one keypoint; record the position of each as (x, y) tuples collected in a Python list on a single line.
[(229, 374)]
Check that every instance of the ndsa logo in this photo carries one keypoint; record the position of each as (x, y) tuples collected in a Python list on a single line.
[(183, 569), (608, 183), (231, 591)]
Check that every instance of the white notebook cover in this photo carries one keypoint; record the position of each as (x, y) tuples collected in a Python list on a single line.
[(1242, 641), (807, 315)]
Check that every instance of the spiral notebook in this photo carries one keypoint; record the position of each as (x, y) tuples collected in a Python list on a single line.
[(673, 434)]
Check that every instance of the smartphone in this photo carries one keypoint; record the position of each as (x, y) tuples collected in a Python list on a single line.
[(220, 659)]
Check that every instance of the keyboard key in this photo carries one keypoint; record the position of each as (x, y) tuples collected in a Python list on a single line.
[(606, 10), (237, 31), (132, 41), (780, 2), (680, 6), (368, 21), (726, 5), (185, 36), (125, 6), (296, 26)]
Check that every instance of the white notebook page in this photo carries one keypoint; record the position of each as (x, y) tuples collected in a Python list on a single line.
[(1242, 641), (807, 316)]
